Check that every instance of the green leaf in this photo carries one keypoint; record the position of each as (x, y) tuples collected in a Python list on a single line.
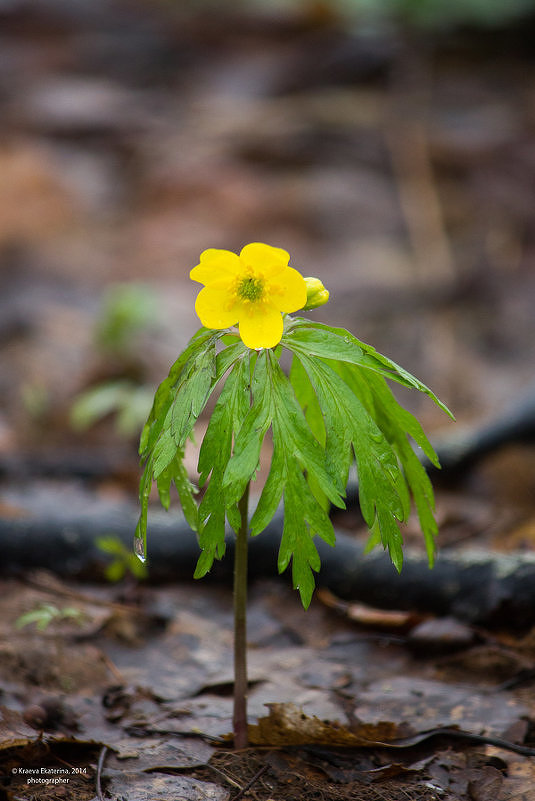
[(229, 412), (178, 402), (176, 473), (111, 545), (297, 436), (316, 339), (297, 542), (244, 462), (98, 402), (308, 400), (296, 452), (115, 571), (167, 390), (145, 485), (382, 487), (272, 491), (398, 424), (193, 393)]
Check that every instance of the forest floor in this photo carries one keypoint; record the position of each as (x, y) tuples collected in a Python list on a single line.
[(400, 170)]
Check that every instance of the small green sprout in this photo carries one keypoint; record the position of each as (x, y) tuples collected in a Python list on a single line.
[(124, 561), (127, 309), (332, 409), (45, 614), (128, 401)]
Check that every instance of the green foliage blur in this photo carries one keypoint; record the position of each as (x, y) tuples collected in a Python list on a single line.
[(434, 14), (45, 614), (127, 310), (123, 561), (438, 13)]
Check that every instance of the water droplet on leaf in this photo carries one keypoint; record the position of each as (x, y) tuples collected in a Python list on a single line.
[(139, 549)]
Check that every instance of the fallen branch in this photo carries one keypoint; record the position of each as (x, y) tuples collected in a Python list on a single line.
[(478, 586)]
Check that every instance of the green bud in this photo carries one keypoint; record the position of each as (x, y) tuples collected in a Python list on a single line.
[(317, 295)]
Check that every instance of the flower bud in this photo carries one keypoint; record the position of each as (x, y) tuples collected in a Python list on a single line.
[(317, 295)]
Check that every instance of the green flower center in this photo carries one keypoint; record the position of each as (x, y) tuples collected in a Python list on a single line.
[(250, 288)]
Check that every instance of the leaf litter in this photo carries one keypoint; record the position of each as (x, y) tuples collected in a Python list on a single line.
[(345, 714)]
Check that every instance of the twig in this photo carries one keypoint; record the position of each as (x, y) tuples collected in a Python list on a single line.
[(66, 592), (227, 778), (117, 675), (251, 782), (100, 765)]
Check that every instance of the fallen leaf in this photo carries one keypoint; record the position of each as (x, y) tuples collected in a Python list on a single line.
[(14, 731), (371, 616), (485, 784), (286, 724)]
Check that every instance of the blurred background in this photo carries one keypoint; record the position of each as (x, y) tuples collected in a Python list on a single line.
[(388, 145)]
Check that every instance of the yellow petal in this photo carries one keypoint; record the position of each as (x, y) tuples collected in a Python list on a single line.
[(215, 265), (288, 290), (261, 326), (265, 258), (215, 306)]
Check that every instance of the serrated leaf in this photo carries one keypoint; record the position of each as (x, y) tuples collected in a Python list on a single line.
[(186, 491), (191, 398), (316, 339), (145, 485), (297, 545), (175, 473), (398, 424), (227, 416), (295, 451), (204, 563), (164, 452), (272, 491), (382, 487), (297, 436), (167, 390), (244, 461), (308, 400)]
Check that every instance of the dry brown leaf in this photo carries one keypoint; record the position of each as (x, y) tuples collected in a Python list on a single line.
[(371, 616), (14, 732), (286, 725)]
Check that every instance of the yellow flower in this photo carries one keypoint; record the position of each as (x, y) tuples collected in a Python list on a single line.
[(253, 290)]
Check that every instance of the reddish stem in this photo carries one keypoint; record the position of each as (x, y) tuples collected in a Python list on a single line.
[(239, 720)]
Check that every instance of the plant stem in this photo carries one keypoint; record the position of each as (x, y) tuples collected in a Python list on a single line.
[(239, 720)]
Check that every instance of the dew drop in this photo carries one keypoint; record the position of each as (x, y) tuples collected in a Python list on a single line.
[(139, 549)]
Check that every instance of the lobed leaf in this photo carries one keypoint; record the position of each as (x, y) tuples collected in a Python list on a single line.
[(316, 339), (398, 425), (230, 410), (382, 487)]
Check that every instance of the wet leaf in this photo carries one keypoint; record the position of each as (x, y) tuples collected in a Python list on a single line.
[(287, 725), (370, 616), (14, 731), (154, 787)]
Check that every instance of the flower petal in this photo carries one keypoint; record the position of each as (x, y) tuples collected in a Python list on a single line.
[(215, 306), (264, 258), (215, 265), (288, 290), (261, 326)]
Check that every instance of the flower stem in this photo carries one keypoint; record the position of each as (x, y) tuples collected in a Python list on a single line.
[(239, 719)]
